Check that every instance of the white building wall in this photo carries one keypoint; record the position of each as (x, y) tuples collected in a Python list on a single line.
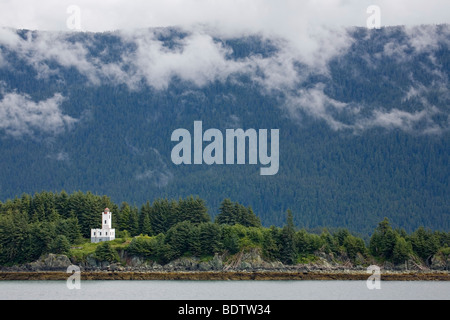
[(106, 233), (106, 220)]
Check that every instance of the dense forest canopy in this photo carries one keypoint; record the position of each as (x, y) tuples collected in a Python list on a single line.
[(363, 136), (165, 230)]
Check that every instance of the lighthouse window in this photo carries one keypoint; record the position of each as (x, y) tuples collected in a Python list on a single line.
[(105, 221)]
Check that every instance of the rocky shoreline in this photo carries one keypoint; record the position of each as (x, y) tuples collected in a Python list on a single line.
[(247, 267), (346, 275)]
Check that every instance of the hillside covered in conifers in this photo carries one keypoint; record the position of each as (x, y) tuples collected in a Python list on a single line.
[(364, 126)]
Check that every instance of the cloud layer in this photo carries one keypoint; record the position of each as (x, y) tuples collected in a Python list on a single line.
[(196, 55), (20, 115)]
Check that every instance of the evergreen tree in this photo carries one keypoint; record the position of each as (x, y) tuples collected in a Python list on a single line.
[(124, 217), (226, 213), (163, 215), (288, 249), (38, 208), (104, 252), (330, 245), (193, 210), (340, 236), (133, 223), (383, 241), (402, 251), (62, 204), (14, 238), (180, 240), (251, 219), (235, 213), (424, 243), (209, 238), (70, 229), (230, 239), (91, 211), (26, 204), (60, 245), (270, 245), (354, 246), (145, 226)]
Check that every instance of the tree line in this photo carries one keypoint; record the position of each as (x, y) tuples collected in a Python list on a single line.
[(165, 230)]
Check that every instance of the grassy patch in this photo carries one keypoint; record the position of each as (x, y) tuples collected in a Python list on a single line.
[(83, 250), (206, 258), (306, 258)]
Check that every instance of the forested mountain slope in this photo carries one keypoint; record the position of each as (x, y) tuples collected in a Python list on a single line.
[(364, 129)]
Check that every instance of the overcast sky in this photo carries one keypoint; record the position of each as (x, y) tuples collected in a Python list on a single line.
[(276, 16)]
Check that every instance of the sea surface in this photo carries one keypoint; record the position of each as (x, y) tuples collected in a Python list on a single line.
[(222, 290)]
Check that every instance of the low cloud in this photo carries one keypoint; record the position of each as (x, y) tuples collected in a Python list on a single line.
[(426, 38), (160, 176), (314, 102), (420, 121), (196, 56), (159, 179), (40, 49), (2, 60), (21, 116), (60, 156), (317, 104)]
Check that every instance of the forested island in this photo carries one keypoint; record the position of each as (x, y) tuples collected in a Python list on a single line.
[(49, 231)]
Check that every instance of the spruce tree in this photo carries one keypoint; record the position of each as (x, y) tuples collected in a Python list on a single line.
[(288, 248), (145, 225)]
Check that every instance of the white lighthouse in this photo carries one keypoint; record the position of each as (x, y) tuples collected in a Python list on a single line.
[(105, 233)]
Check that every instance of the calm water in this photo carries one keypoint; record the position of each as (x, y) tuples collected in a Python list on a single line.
[(223, 290)]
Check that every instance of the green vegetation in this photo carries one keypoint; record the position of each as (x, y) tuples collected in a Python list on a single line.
[(104, 252), (81, 251), (31, 226), (121, 144)]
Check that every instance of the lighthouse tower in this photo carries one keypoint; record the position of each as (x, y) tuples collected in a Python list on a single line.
[(106, 233), (106, 223)]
